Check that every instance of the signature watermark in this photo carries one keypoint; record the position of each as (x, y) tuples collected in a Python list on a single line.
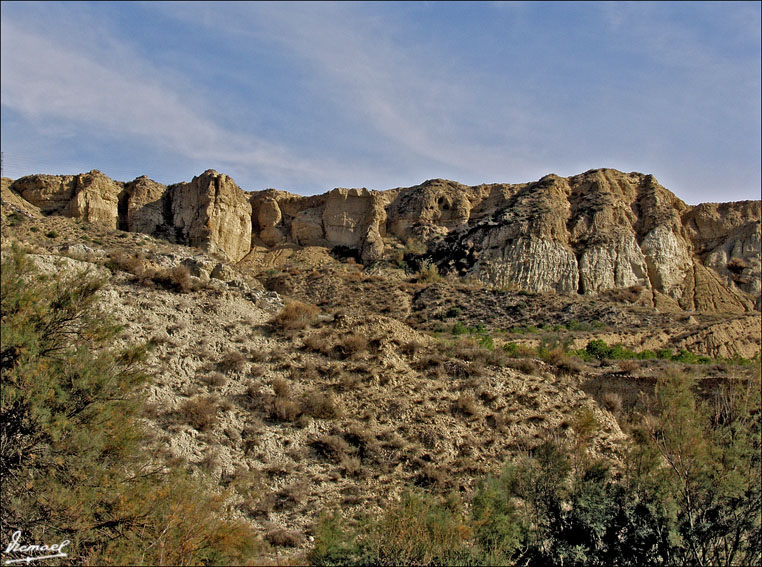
[(33, 552)]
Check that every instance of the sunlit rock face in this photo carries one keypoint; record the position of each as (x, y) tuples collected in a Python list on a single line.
[(590, 233)]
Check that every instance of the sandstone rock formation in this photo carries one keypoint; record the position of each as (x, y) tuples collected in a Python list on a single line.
[(590, 233), (213, 213), (91, 196), (142, 206)]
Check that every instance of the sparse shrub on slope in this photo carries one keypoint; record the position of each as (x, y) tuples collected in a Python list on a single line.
[(296, 315), (71, 454), (688, 494)]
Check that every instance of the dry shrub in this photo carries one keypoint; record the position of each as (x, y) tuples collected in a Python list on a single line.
[(281, 387), (257, 355), (283, 409), (525, 365), (307, 372), (467, 404), (628, 366), (332, 447), (180, 276), (353, 345), (296, 315), (200, 412), (260, 505), (296, 492), (233, 361), (351, 466), (215, 379), (134, 264), (320, 342), (411, 347), (349, 381), (283, 538), (321, 405), (569, 365), (613, 402), (431, 475)]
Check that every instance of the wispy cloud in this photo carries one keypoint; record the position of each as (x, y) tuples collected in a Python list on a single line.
[(370, 68), (111, 89)]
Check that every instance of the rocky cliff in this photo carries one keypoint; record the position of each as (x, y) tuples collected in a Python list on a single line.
[(590, 233)]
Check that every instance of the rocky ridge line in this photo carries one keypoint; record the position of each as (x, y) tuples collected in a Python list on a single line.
[(589, 233)]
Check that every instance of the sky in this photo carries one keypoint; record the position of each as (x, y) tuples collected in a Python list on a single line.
[(306, 97)]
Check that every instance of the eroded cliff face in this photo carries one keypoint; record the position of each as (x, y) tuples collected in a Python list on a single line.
[(605, 229), (212, 213), (589, 233)]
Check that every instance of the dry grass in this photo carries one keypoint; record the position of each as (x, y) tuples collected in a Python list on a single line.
[(215, 379), (321, 405), (232, 361), (200, 412), (296, 315)]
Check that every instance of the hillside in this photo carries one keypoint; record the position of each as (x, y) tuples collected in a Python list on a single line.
[(330, 352)]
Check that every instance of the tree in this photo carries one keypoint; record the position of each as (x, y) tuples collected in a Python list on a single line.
[(71, 452)]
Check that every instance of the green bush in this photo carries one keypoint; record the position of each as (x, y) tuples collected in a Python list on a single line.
[(688, 493), (71, 448)]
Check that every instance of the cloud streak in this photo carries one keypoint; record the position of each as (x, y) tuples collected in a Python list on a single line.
[(47, 80)]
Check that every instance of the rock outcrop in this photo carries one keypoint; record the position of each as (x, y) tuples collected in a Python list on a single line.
[(92, 196), (213, 213), (590, 233), (142, 206)]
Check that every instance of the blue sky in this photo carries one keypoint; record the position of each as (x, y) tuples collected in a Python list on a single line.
[(307, 97)]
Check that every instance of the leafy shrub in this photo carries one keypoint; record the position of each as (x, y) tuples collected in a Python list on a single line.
[(688, 494), (428, 272), (71, 447)]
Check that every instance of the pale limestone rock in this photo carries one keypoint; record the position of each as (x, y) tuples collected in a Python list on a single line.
[(344, 216), (268, 218), (668, 260), (51, 193), (615, 263), (307, 227), (436, 206), (143, 208), (96, 198), (92, 196), (539, 265), (212, 212)]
